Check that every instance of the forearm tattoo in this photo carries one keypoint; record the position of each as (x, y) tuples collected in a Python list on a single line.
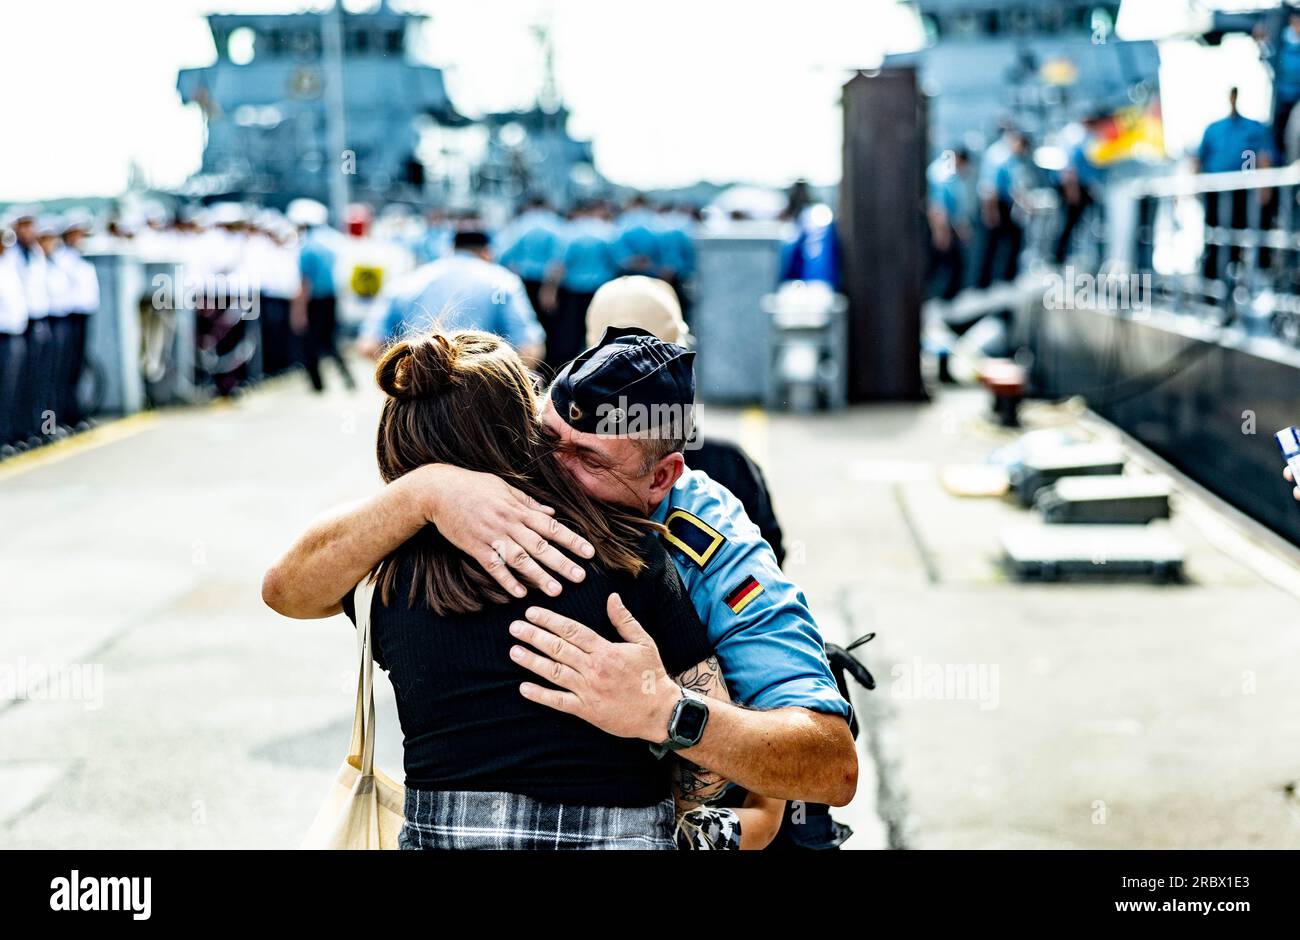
[(695, 785), (703, 678)]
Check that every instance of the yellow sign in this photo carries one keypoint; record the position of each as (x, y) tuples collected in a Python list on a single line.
[(367, 281)]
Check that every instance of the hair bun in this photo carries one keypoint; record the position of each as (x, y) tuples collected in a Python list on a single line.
[(418, 368)]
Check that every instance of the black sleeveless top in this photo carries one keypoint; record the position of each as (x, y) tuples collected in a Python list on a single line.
[(466, 726)]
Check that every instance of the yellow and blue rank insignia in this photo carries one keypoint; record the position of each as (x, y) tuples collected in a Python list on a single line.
[(739, 597), (697, 541)]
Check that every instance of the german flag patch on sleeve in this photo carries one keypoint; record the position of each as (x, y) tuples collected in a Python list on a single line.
[(740, 597)]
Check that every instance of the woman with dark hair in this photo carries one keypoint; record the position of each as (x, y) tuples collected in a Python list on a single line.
[(485, 767)]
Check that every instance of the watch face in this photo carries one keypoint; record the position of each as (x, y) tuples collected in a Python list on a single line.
[(691, 717)]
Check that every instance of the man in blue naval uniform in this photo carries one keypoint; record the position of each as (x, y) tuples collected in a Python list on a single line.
[(766, 640), (763, 634)]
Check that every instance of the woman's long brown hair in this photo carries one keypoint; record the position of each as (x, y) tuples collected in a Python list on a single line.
[(465, 399)]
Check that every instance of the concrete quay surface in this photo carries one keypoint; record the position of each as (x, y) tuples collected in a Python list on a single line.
[(1089, 715)]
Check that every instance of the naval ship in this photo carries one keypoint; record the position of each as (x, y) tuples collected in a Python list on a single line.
[(278, 129)]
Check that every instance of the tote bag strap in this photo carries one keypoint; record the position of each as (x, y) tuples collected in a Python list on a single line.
[(363, 719)]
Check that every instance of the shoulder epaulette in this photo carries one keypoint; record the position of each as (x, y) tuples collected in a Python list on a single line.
[(692, 537)]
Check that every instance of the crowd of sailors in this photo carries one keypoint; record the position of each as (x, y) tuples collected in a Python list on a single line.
[(530, 278)]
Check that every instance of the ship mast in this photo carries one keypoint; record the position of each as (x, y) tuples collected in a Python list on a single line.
[(331, 27), (548, 97)]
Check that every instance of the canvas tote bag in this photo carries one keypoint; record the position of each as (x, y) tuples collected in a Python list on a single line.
[(364, 808)]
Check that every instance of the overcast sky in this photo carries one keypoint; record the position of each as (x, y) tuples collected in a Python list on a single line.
[(671, 91)]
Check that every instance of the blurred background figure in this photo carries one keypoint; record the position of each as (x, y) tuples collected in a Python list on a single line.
[(274, 268), (314, 313), (59, 289), (636, 246), (949, 187), (1230, 145), (1002, 181), (813, 252), (677, 230), (221, 269), (37, 393), (1286, 81), (465, 291), (83, 303), (1079, 182), (73, 287), (530, 247), (587, 262), (1234, 143), (435, 241), (13, 345)]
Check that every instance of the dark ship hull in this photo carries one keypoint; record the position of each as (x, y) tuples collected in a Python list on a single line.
[(1204, 399)]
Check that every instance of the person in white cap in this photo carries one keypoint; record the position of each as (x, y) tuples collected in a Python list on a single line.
[(314, 314), (152, 238), (13, 348), (59, 289), (36, 394), (83, 303), (273, 260)]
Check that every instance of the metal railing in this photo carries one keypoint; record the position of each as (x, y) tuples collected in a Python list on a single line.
[(1223, 246)]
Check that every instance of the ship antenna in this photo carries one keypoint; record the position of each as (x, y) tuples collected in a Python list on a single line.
[(548, 98)]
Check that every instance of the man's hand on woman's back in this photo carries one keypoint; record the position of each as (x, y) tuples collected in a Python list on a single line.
[(621, 688), (787, 753)]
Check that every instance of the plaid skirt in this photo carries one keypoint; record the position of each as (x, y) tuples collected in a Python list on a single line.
[(462, 819)]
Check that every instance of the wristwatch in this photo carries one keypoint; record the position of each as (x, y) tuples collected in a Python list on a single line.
[(686, 726)]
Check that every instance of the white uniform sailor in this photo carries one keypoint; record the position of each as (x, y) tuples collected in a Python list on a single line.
[(82, 302), (13, 349), (36, 411)]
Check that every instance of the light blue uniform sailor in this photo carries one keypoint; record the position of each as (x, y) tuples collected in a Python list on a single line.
[(1230, 144), (766, 640), (531, 245), (588, 255), (463, 291), (636, 247), (677, 245), (758, 623)]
